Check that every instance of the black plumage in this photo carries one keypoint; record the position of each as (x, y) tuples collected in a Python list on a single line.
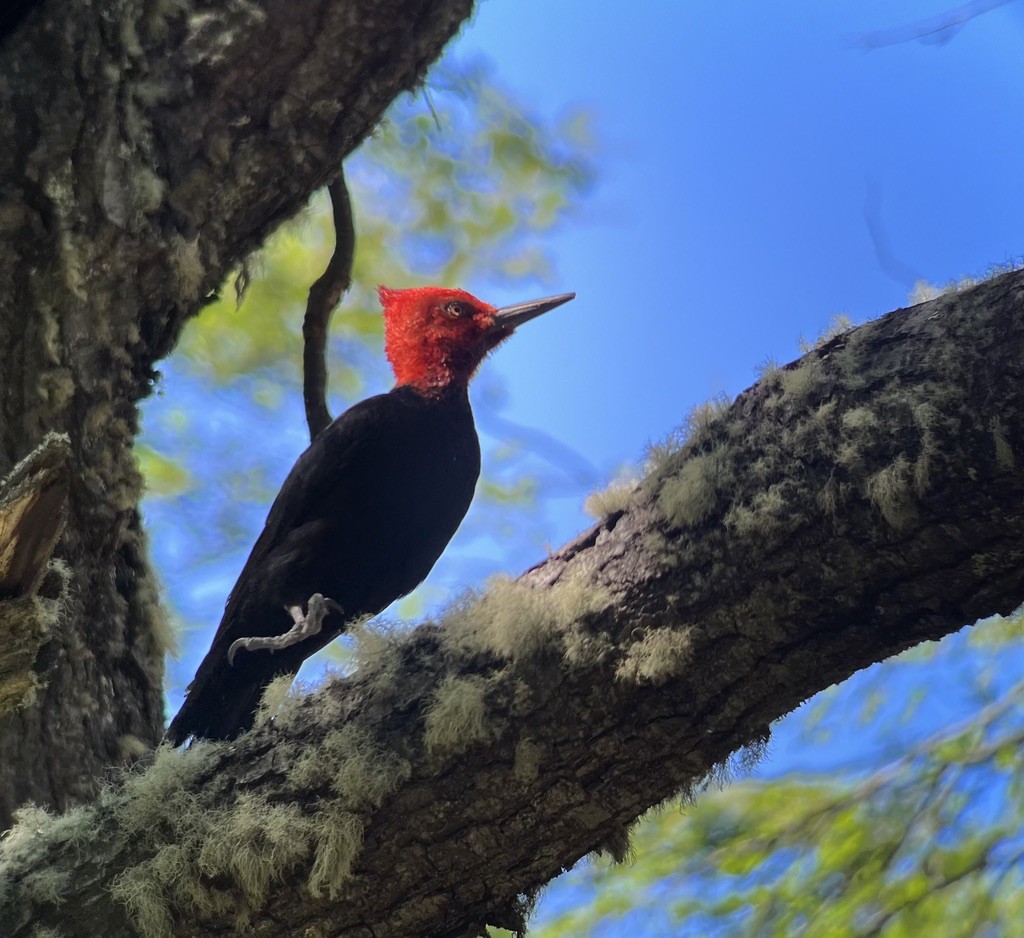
[(362, 517), (12, 13)]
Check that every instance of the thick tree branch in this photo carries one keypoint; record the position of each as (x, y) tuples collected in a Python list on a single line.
[(854, 503)]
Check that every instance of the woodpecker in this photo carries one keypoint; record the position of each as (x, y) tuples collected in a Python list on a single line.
[(364, 513)]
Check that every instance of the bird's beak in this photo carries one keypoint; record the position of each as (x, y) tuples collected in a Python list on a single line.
[(509, 317)]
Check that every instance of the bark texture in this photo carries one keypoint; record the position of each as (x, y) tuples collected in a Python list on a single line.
[(149, 145), (852, 504)]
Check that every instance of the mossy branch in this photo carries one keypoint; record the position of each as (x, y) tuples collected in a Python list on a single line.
[(470, 760)]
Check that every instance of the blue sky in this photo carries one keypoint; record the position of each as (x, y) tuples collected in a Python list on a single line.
[(742, 150), (738, 146)]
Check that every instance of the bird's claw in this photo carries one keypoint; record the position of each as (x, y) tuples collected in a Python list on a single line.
[(306, 624)]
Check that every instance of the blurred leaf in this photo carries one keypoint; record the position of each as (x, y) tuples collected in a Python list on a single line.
[(164, 476)]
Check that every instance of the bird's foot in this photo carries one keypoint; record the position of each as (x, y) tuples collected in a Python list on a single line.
[(307, 623)]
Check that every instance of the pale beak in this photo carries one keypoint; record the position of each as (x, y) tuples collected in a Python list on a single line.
[(509, 317)]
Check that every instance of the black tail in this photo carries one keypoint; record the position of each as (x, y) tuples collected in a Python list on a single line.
[(222, 700)]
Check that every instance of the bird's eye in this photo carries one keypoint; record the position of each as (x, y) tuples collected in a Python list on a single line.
[(455, 310)]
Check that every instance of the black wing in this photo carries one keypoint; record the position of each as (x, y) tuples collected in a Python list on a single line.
[(221, 699), (362, 517)]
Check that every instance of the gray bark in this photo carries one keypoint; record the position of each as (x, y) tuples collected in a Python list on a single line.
[(147, 147), (855, 503)]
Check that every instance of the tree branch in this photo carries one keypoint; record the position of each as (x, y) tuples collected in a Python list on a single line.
[(323, 297), (854, 503), (934, 30)]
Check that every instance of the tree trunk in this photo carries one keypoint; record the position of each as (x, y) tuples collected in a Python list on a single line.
[(148, 147), (859, 501)]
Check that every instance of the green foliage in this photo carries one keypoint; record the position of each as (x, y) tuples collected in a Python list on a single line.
[(164, 476)]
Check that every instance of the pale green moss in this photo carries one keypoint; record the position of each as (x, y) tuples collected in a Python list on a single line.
[(456, 717), (859, 418), (823, 414), (368, 774), (377, 649), (833, 496), (352, 765), (703, 418), (701, 424), (923, 292), (338, 842), (799, 381), (890, 490), (245, 843), (46, 886), (768, 370), (691, 495), (927, 418), (610, 500), (760, 516), (281, 699), (34, 830), (256, 843), (837, 324), (660, 455), (145, 900), (585, 648), (166, 792), (518, 622), (165, 884), (188, 265), (528, 758), (660, 655), (1005, 459), (850, 454)]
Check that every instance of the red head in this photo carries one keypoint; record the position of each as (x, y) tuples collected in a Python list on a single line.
[(435, 337)]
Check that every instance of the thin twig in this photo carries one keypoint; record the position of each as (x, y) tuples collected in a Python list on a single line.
[(323, 297), (935, 30)]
